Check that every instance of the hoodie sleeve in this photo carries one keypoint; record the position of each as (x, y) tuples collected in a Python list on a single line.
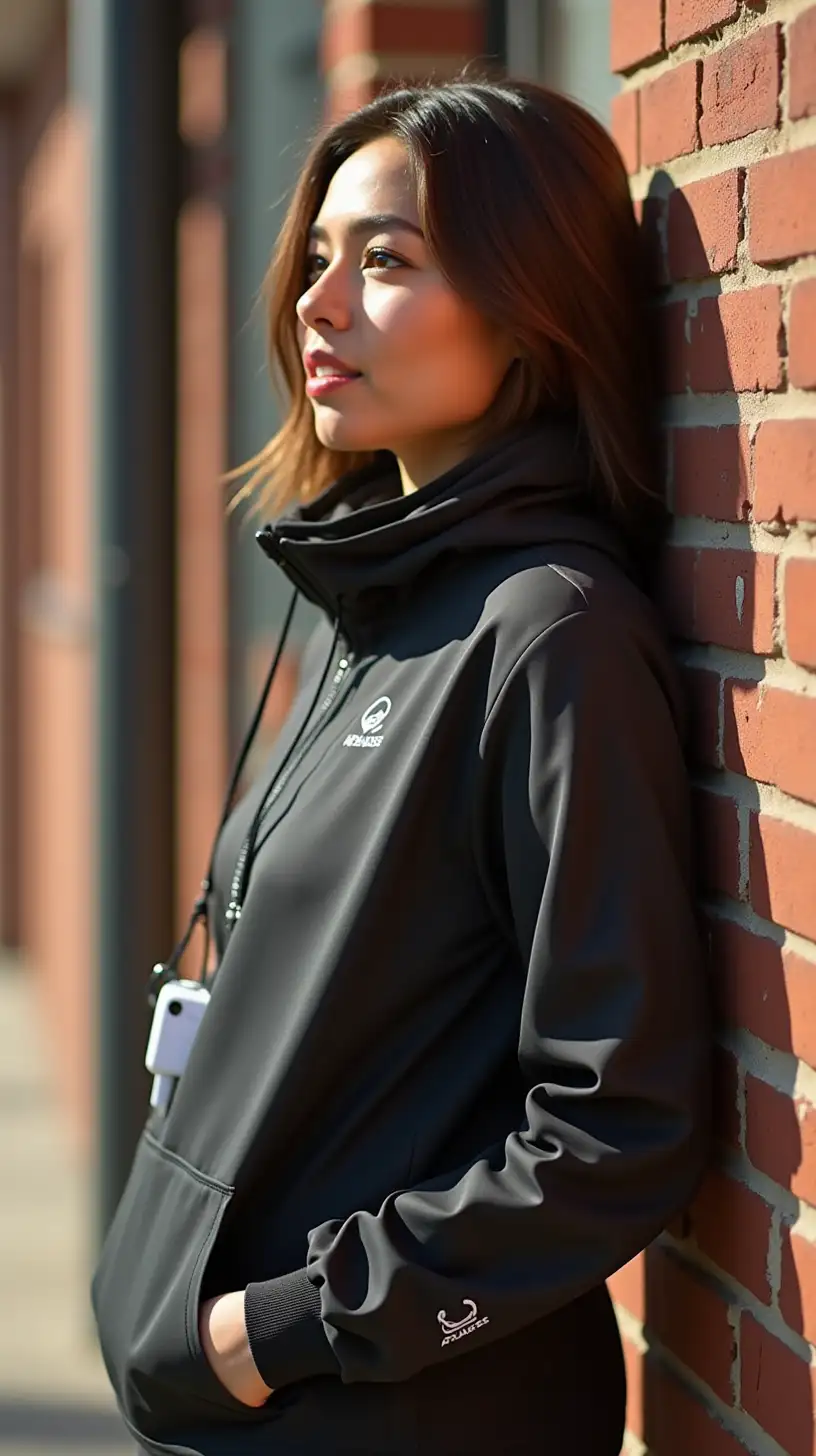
[(582, 839)]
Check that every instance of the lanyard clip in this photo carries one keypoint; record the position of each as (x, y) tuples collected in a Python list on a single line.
[(159, 976), (165, 971)]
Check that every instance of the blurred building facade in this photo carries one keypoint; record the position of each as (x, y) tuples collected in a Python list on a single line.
[(46, 622)]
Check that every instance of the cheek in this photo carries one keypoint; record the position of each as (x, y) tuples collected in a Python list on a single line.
[(428, 335), (443, 358), (396, 322)]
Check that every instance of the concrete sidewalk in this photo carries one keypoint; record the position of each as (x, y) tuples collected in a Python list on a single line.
[(54, 1395)]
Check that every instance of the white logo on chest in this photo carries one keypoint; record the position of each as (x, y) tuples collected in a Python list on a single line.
[(457, 1329), (372, 719)]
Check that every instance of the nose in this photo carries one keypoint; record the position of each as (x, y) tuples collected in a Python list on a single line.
[(326, 303)]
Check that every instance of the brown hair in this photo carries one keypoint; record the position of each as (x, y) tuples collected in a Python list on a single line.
[(535, 189)]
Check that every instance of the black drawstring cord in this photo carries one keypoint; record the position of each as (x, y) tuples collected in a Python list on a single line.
[(241, 877), (167, 970)]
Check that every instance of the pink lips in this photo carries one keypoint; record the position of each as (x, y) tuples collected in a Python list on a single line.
[(343, 373), (327, 382)]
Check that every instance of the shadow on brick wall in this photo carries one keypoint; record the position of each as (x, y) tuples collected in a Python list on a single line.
[(729, 1270)]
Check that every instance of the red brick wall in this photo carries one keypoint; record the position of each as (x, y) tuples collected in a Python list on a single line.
[(369, 43), (717, 123)]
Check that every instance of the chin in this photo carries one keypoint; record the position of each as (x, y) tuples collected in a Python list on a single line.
[(337, 433)]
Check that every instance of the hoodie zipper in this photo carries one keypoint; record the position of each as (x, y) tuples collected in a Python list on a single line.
[(241, 875), (305, 583)]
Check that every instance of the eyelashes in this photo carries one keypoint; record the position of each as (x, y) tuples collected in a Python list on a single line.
[(313, 272), (384, 253)]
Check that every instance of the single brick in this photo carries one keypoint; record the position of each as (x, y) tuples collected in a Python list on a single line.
[(626, 128), (668, 115), (769, 735), (802, 64), (676, 1423), (765, 988), (802, 334), (741, 87), (731, 1225), (778, 1389), (734, 599), (800, 609), (690, 1320), (800, 986), (783, 873), (710, 472), (781, 1137), (702, 690), (785, 471), (735, 342), (703, 227), (797, 1295), (782, 206), (628, 1286), (747, 981), (720, 596), (688, 18), (717, 836), (636, 32)]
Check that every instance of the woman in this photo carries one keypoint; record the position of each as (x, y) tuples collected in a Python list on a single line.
[(454, 1071)]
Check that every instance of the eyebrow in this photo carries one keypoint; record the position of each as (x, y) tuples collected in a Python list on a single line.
[(370, 224)]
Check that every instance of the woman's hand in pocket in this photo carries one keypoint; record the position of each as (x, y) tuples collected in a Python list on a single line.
[(224, 1340)]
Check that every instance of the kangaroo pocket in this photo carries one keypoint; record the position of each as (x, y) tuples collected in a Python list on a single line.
[(145, 1296)]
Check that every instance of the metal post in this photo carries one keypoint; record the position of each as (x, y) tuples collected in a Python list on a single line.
[(136, 199), (495, 13)]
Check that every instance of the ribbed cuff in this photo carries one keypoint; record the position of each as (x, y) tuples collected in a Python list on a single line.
[(286, 1334)]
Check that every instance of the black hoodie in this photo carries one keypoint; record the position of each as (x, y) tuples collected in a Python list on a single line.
[(455, 1069)]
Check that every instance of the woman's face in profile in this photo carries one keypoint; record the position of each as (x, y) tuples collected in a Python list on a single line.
[(427, 365)]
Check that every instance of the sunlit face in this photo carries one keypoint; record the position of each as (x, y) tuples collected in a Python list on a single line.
[(429, 364)]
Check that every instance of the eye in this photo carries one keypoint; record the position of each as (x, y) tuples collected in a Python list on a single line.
[(380, 259), (313, 270), (380, 253)]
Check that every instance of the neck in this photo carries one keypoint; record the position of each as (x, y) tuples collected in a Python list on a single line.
[(420, 464)]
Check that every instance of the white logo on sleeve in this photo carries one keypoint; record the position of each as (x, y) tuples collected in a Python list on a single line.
[(457, 1329), (372, 719)]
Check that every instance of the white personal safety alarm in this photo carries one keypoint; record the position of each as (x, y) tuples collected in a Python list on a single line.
[(180, 1007)]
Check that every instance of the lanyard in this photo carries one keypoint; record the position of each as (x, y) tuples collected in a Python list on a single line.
[(167, 970), (302, 742)]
